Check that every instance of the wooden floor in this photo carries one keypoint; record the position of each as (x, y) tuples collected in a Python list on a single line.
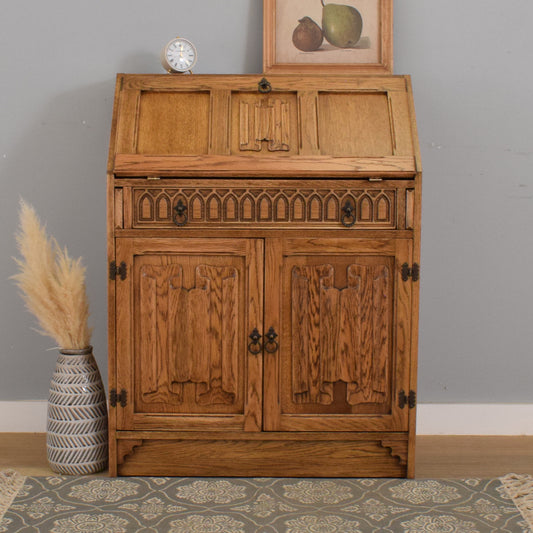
[(437, 456), (477, 456)]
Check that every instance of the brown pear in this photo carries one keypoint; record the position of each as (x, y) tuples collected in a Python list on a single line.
[(307, 36)]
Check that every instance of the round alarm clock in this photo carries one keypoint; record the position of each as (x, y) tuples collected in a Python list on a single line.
[(179, 55)]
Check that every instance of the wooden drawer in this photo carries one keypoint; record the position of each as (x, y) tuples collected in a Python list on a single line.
[(328, 204)]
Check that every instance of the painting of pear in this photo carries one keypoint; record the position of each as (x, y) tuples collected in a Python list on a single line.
[(341, 25)]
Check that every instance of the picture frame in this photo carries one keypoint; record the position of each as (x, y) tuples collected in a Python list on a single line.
[(362, 42)]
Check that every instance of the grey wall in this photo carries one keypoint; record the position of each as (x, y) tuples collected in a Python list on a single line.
[(472, 76)]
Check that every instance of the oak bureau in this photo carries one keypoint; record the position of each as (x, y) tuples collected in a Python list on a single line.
[(263, 242)]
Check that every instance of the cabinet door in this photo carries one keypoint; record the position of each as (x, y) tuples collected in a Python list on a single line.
[(183, 316), (342, 312)]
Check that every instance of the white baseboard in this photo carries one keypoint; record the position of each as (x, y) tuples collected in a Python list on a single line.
[(474, 419), (432, 418), (23, 416)]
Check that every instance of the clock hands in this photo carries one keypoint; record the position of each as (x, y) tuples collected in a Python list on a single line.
[(179, 55)]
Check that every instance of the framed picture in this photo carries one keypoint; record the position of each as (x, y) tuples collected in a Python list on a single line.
[(320, 36)]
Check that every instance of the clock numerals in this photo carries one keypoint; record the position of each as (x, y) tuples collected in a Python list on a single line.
[(179, 55)]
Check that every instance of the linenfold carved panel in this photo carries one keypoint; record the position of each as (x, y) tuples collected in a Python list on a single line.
[(259, 206), (264, 121), (341, 335), (188, 336)]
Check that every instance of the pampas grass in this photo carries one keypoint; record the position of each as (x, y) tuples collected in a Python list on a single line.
[(52, 284)]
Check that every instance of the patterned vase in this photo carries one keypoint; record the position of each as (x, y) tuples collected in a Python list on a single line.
[(76, 439)]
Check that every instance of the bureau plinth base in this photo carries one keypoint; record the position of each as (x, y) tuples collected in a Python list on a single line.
[(265, 455)]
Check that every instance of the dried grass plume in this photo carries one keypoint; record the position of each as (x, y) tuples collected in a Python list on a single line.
[(52, 284)]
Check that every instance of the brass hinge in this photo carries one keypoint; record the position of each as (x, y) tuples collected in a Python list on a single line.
[(410, 272), (121, 270), (115, 398), (404, 400)]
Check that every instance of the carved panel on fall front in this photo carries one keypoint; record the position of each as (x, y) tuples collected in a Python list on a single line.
[(263, 124), (265, 121), (312, 207), (341, 337), (187, 337)]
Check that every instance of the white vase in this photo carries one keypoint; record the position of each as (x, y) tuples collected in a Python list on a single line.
[(76, 438)]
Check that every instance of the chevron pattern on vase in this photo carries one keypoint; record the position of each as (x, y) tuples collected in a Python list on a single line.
[(76, 441)]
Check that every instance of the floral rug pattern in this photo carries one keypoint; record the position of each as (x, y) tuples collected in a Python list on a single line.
[(61, 504)]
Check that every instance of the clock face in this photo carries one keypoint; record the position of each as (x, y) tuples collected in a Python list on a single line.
[(180, 55)]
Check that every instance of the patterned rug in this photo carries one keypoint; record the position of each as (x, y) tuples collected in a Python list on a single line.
[(60, 504)]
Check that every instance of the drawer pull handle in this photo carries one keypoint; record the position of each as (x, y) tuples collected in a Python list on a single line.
[(264, 86), (255, 346), (271, 345), (180, 217), (348, 214)]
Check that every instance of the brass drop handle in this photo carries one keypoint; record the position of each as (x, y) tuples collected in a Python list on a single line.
[(180, 217), (264, 86), (348, 214), (255, 346), (271, 344)]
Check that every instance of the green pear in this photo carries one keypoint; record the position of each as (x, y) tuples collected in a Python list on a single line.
[(341, 25)]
